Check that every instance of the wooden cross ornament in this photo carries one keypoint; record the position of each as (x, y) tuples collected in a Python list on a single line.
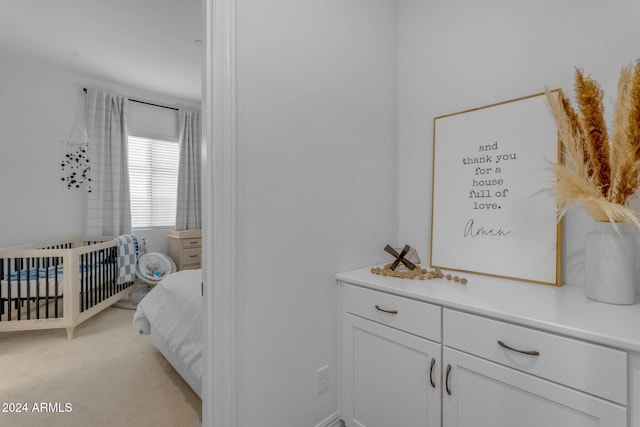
[(400, 257)]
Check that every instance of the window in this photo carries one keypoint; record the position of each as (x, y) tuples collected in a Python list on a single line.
[(153, 179)]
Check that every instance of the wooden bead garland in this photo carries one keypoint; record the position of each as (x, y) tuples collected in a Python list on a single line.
[(418, 273)]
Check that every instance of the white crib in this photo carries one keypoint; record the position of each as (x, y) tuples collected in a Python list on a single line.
[(58, 284)]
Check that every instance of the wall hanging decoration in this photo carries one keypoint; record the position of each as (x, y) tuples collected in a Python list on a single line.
[(491, 214), (600, 174), (75, 165)]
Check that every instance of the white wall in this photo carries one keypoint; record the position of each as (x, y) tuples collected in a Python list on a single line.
[(454, 56), (316, 189), (40, 104)]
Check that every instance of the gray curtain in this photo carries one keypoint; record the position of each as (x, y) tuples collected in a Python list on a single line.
[(188, 204), (107, 204)]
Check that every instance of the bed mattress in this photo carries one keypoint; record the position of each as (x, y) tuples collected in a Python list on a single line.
[(173, 310)]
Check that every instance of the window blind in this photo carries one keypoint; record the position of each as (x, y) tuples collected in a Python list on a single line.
[(153, 180)]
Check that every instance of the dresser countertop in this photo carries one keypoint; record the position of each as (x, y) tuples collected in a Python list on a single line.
[(562, 310)]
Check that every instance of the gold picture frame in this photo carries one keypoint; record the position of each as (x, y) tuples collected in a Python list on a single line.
[(491, 213)]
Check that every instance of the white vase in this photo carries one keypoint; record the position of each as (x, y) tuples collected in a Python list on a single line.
[(609, 258)]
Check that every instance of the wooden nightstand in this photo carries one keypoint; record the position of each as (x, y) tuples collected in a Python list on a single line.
[(185, 248)]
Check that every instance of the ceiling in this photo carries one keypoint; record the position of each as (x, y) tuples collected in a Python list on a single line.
[(143, 44)]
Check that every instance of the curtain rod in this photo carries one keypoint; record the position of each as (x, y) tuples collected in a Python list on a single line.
[(84, 89)]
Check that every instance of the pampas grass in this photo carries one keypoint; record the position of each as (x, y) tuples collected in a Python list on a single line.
[(600, 172)]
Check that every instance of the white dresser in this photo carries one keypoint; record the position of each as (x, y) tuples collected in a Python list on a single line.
[(492, 353), (185, 248)]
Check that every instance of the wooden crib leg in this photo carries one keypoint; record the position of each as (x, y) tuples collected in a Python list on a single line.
[(70, 333)]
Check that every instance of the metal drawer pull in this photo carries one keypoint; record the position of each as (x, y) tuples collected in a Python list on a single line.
[(433, 363), (386, 311), (530, 353), (446, 380)]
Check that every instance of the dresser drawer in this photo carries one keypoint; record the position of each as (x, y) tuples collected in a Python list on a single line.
[(191, 256), (594, 369), (191, 243), (416, 317)]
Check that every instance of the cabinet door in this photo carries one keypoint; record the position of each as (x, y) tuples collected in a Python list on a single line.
[(486, 394), (634, 390), (387, 376)]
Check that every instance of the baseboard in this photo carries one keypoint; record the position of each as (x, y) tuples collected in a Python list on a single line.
[(332, 420)]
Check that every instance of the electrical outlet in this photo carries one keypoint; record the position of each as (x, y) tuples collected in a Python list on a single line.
[(323, 380)]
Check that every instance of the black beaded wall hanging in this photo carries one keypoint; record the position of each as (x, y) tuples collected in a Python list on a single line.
[(75, 163)]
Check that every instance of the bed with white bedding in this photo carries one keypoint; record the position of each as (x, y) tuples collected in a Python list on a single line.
[(171, 313)]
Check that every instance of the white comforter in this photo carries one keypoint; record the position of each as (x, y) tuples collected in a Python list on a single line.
[(173, 308)]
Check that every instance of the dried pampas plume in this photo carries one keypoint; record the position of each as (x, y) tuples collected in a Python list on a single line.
[(600, 172)]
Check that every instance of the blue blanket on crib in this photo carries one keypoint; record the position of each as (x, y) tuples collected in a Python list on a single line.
[(127, 249)]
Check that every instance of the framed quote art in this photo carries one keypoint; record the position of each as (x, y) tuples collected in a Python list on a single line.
[(492, 213)]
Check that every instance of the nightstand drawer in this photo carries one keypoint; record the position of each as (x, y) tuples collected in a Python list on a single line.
[(588, 367), (191, 256), (192, 243), (416, 317)]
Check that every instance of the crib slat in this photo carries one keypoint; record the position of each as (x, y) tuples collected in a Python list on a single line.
[(87, 285), (108, 273), (116, 279), (111, 277), (85, 275), (91, 284), (56, 283), (90, 280), (28, 288), (46, 288), (85, 296), (103, 282), (83, 282), (1, 298), (38, 288), (99, 295), (91, 287), (103, 278), (87, 260), (94, 278), (105, 272), (87, 282), (18, 267), (9, 289), (81, 276)]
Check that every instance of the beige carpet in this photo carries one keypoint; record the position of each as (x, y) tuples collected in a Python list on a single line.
[(108, 375)]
